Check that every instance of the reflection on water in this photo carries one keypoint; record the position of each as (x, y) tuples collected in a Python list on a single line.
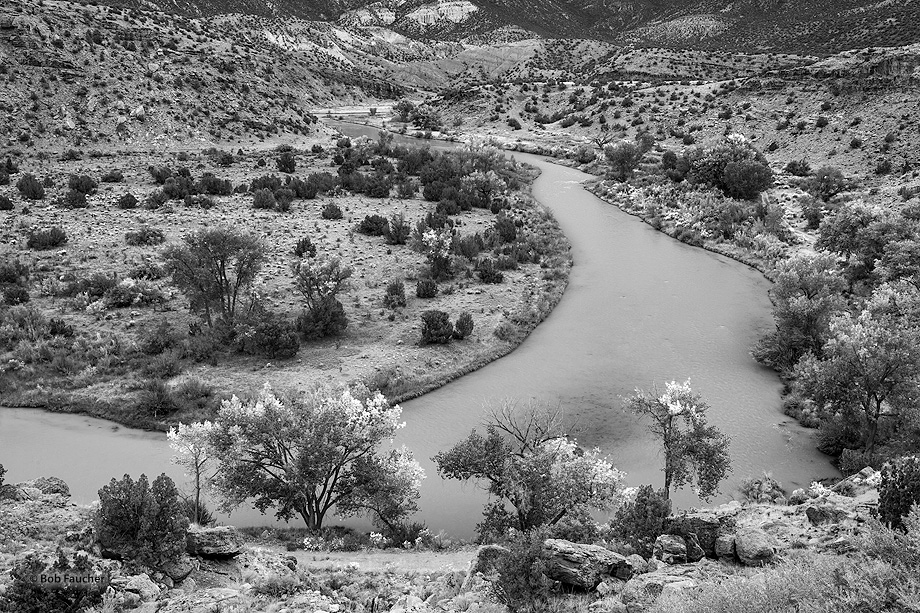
[(640, 309)]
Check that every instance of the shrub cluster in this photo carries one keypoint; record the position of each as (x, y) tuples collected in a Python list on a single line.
[(46, 239), (142, 522), (438, 329), (899, 489)]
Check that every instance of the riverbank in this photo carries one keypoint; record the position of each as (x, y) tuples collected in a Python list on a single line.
[(111, 374)]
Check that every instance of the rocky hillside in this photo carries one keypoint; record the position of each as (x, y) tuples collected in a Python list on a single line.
[(763, 25)]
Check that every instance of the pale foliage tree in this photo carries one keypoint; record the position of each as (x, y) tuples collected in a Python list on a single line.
[(190, 444), (307, 454), (695, 453), (320, 279), (526, 460)]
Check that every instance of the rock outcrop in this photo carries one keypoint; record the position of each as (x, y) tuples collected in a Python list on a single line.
[(216, 542), (670, 549), (483, 564), (581, 565)]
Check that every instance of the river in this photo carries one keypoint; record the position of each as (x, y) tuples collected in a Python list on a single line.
[(641, 308)]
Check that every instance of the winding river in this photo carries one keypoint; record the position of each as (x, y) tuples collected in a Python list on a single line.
[(640, 309)]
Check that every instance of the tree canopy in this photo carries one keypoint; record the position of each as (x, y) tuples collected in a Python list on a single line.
[(695, 453), (306, 454), (526, 460)]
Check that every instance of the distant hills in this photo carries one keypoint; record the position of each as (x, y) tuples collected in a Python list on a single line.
[(804, 26)]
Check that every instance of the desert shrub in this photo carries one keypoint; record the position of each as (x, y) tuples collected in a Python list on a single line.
[(25, 593), (373, 225), (799, 168), (141, 522), (326, 319), (269, 182), (464, 326), (5, 204), (113, 176), (14, 272), (426, 288), (899, 489), (4, 176), (156, 398), (639, 521), (160, 338), (30, 188), (746, 179), (305, 247), (263, 199), (126, 201), (132, 292), (82, 183), (322, 181), (160, 174), (210, 184), (395, 295), (2, 474), (398, 230), (268, 335), (436, 328), (317, 149), (286, 162), (46, 239), (15, 294), (283, 199), (883, 167), (332, 211), (856, 143), (813, 212), (827, 183), (145, 235), (520, 583), (851, 461), (764, 488), (73, 199), (505, 228), (487, 271)]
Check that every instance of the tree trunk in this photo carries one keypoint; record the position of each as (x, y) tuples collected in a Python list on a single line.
[(197, 497)]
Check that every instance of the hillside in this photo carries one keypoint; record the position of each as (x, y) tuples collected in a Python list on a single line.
[(761, 25)]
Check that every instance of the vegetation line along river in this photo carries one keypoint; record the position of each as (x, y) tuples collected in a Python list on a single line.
[(640, 309)]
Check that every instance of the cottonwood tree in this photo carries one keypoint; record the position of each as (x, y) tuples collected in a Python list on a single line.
[(807, 293), (307, 454), (870, 369), (695, 453), (622, 159), (214, 268), (190, 444), (526, 460)]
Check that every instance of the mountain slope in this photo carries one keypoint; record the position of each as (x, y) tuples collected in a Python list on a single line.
[(808, 26)]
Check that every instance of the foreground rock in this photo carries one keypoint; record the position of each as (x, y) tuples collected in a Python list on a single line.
[(216, 542), (754, 547), (484, 564), (583, 566)]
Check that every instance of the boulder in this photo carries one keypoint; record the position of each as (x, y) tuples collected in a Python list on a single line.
[(638, 563), (583, 565), (798, 497), (609, 587), (139, 113), (485, 562), (706, 525), (819, 514), (754, 547), (725, 547), (179, 569), (643, 590), (142, 586), (670, 549), (695, 552), (213, 600), (49, 485), (215, 542)]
